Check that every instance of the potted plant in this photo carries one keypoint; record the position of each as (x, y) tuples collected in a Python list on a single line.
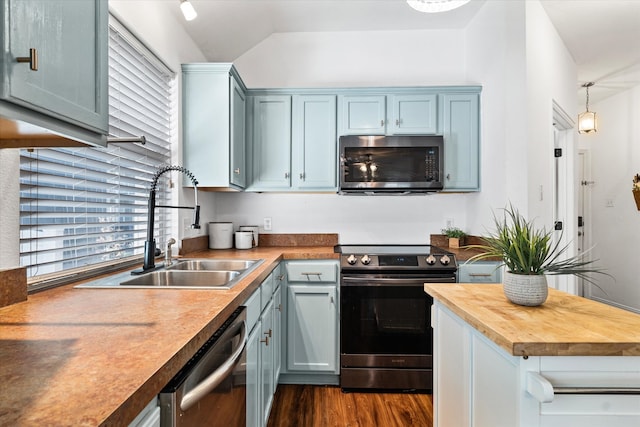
[(456, 236), (529, 254)]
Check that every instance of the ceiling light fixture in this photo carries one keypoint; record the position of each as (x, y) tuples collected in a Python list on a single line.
[(587, 121), (187, 10), (435, 6)]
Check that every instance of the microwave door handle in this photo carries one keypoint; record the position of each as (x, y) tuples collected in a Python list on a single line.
[(216, 377)]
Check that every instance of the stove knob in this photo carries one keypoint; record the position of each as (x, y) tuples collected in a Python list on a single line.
[(431, 260), (351, 259), (365, 260), (445, 260)]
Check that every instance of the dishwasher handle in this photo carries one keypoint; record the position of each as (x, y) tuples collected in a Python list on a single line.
[(217, 376)]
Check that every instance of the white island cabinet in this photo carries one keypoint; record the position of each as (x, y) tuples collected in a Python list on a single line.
[(551, 373)]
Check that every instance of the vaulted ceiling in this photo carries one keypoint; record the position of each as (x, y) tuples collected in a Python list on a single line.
[(602, 35)]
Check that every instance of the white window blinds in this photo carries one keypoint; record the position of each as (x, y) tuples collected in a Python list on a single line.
[(84, 206)]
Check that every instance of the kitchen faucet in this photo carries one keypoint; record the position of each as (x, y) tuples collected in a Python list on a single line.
[(150, 243)]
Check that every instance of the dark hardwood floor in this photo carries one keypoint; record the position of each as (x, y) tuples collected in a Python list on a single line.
[(323, 406)]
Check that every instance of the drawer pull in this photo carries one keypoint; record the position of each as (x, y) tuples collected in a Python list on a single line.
[(480, 274), (311, 274), (32, 59)]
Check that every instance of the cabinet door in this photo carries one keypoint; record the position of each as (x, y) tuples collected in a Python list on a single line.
[(277, 334), (461, 141), (266, 362), (363, 115), (271, 142), (70, 41), (238, 125), (312, 337), (254, 378), (413, 114), (314, 143)]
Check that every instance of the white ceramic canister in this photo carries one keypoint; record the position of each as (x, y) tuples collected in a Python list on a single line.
[(220, 235), (244, 239), (254, 229)]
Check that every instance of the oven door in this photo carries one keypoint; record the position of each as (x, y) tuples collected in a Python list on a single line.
[(385, 332)]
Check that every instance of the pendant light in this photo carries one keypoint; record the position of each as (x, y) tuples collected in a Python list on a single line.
[(435, 6), (187, 10), (587, 121)]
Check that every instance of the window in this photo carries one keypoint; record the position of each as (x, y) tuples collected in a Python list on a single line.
[(85, 206)]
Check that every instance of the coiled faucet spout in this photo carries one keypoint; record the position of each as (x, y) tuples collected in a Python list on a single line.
[(150, 243)]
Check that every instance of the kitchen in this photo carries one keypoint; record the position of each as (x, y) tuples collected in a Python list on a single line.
[(461, 57)]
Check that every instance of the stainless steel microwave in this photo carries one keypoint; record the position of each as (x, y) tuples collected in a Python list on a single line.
[(391, 164)]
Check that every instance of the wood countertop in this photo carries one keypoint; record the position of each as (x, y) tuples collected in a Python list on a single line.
[(87, 357), (565, 325)]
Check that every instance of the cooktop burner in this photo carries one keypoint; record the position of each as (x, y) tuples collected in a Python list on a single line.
[(408, 258)]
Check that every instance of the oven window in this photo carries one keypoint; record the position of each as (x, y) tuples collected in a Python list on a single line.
[(391, 164), (385, 320)]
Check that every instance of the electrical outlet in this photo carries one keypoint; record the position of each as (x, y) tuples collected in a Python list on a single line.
[(449, 223), (267, 224)]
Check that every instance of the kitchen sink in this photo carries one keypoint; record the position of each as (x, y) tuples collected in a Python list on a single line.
[(184, 279), (212, 264), (183, 274)]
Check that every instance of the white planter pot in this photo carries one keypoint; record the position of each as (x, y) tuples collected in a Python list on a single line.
[(524, 289)]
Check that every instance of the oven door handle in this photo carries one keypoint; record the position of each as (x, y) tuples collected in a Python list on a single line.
[(216, 377), (378, 281)]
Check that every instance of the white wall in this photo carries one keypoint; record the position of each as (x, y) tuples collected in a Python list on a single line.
[(615, 156), (9, 208)]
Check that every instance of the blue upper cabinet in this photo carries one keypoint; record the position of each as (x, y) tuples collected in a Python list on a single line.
[(53, 71), (461, 118), (363, 115), (393, 114), (271, 151), (413, 114), (314, 143), (294, 143), (213, 125)]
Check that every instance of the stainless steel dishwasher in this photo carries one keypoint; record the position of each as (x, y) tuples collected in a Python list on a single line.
[(210, 390)]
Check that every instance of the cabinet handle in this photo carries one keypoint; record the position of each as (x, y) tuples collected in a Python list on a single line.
[(32, 59), (286, 175), (281, 277), (236, 171), (480, 274), (268, 333), (331, 300), (265, 341), (381, 122), (397, 122), (302, 176), (280, 307), (448, 177)]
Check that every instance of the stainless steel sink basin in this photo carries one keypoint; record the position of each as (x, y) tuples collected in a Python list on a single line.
[(184, 279), (212, 264), (219, 274)]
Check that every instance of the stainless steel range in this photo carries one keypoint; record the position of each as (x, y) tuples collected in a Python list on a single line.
[(385, 316)]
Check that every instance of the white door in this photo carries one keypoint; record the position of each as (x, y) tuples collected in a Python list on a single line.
[(563, 193)]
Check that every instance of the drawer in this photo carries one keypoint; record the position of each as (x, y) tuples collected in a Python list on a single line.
[(480, 272), (253, 309), (318, 271)]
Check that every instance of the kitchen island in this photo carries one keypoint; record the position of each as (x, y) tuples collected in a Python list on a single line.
[(87, 357), (570, 362)]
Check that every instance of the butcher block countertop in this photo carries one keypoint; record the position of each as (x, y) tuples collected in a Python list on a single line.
[(87, 357), (565, 325)]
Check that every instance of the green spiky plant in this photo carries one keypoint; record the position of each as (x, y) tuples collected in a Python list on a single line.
[(524, 249)]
